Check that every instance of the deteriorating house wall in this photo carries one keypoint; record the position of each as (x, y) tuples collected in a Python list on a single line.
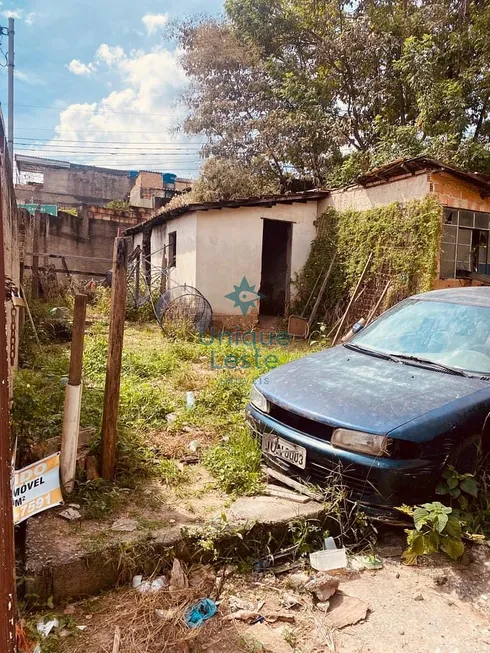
[(76, 185), (85, 241)]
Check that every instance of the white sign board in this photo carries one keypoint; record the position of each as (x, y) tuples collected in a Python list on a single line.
[(37, 488)]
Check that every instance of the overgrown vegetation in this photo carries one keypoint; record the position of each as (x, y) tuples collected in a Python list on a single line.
[(404, 241), (157, 372)]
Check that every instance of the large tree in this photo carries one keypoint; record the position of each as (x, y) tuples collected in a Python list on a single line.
[(325, 88)]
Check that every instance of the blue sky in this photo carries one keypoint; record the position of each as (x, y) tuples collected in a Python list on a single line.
[(109, 76)]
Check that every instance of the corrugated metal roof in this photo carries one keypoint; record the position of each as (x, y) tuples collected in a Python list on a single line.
[(263, 200)]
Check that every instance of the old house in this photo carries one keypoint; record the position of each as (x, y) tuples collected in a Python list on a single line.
[(266, 240)]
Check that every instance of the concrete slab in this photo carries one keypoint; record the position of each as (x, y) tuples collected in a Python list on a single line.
[(69, 560), (271, 510)]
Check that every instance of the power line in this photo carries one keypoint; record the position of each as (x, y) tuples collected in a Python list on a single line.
[(98, 111), (62, 140), (92, 131)]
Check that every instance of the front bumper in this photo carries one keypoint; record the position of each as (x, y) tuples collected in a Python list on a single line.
[(376, 481)]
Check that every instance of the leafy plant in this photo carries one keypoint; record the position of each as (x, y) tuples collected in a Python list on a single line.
[(235, 464), (436, 529), (320, 336), (463, 488)]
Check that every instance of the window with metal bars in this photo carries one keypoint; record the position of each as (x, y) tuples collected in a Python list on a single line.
[(464, 247)]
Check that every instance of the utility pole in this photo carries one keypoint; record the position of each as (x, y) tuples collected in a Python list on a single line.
[(10, 129)]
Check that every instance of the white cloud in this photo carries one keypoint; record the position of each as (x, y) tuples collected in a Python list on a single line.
[(153, 21), (139, 111), (109, 55), (79, 68), (12, 13)]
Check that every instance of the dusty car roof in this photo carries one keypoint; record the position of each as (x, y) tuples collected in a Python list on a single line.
[(473, 295)]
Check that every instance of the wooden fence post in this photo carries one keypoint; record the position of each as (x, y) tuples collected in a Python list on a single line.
[(73, 397), (114, 355)]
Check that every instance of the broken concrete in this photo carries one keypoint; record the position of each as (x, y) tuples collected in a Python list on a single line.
[(346, 610), (70, 560)]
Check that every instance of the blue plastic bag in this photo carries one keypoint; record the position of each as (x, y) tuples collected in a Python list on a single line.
[(197, 614)]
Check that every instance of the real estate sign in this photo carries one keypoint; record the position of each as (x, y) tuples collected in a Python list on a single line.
[(37, 488)]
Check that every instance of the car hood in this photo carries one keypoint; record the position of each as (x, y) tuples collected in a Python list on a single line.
[(342, 387)]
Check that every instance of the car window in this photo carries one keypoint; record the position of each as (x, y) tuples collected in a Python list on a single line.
[(453, 334)]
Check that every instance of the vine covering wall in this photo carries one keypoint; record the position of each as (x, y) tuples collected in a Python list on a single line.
[(404, 239)]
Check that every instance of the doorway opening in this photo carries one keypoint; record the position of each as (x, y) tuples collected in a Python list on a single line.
[(276, 267)]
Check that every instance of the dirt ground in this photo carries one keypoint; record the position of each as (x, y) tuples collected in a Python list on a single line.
[(436, 606)]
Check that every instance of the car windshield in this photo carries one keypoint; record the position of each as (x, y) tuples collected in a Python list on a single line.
[(455, 335)]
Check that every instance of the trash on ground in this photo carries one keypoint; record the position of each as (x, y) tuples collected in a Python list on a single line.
[(360, 562), (44, 628), (70, 514), (236, 603), (74, 505), (178, 579), (171, 418), (328, 559), (190, 399), (194, 446), (124, 525), (323, 586), (330, 543), (197, 614), (149, 587), (346, 610)]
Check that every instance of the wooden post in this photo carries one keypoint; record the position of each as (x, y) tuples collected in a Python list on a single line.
[(7, 552), (114, 355), (73, 396), (35, 255), (352, 300)]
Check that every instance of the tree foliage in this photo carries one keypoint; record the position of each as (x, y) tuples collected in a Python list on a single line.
[(323, 89)]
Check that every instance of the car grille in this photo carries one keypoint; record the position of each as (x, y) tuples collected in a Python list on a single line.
[(303, 424)]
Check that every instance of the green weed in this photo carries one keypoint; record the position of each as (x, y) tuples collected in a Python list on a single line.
[(235, 464)]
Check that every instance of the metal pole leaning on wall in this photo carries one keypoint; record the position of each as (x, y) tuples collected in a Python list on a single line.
[(73, 398), (7, 550), (114, 356)]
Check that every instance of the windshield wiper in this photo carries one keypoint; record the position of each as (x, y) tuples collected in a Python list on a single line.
[(401, 358), (370, 352), (426, 361)]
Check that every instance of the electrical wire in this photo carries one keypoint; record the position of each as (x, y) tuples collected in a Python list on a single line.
[(99, 111), (21, 139)]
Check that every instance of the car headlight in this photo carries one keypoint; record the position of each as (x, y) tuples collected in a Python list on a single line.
[(374, 445), (258, 400)]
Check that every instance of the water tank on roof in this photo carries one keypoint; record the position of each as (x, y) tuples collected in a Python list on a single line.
[(169, 178)]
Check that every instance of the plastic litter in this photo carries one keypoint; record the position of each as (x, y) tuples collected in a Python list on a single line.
[(45, 628), (194, 446), (330, 544), (147, 587), (328, 559), (197, 614), (190, 399), (70, 514)]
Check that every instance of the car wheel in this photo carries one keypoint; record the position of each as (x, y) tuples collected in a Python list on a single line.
[(464, 457)]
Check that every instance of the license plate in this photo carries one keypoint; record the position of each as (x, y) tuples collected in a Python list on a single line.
[(291, 453)]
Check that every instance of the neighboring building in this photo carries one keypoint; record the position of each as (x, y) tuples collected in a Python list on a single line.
[(153, 189), (77, 247), (48, 181), (212, 246)]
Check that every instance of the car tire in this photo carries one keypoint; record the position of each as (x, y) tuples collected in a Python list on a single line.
[(465, 455)]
